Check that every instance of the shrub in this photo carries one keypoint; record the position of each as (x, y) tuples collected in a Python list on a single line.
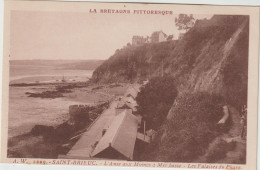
[(156, 99), (219, 150), (192, 127)]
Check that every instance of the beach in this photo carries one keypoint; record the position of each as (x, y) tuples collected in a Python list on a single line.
[(33, 105), (25, 112)]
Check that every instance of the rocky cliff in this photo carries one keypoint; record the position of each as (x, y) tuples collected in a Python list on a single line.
[(211, 57), (210, 66)]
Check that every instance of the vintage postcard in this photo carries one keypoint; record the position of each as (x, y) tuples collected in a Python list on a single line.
[(133, 85)]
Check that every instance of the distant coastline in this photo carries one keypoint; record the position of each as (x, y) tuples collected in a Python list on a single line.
[(51, 71), (60, 64)]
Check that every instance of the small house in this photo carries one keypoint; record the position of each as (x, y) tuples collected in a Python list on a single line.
[(158, 36), (118, 142), (131, 92)]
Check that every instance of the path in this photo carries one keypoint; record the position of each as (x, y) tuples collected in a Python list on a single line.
[(233, 155), (238, 154), (83, 148), (85, 145)]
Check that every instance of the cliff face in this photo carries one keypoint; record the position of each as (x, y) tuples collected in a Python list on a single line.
[(211, 57), (214, 58), (209, 64), (134, 63)]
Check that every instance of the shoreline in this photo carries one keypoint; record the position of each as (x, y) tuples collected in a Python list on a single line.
[(24, 144), (79, 83), (50, 141)]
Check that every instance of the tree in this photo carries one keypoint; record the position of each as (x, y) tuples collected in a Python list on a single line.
[(155, 100), (184, 22)]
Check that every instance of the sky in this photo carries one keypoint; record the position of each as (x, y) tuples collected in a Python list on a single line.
[(78, 35)]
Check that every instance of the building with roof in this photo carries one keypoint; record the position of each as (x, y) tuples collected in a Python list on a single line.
[(123, 105), (131, 100), (127, 105), (128, 102), (118, 142), (158, 36), (132, 92)]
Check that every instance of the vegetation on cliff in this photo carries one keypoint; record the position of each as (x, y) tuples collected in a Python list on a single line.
[(212, 57), (210, 68), (134, 63), (155, 100), (192, 127), (188, 133)]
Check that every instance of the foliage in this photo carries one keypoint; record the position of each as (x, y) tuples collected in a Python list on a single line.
[(156, 99), (184, 21), (188, 60), (218, 150), (133, 63), (194, 123)]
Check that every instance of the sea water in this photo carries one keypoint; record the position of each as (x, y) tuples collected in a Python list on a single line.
[(25, 112)]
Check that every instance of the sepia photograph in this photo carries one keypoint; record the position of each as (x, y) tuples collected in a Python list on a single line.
[(121, 85)]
